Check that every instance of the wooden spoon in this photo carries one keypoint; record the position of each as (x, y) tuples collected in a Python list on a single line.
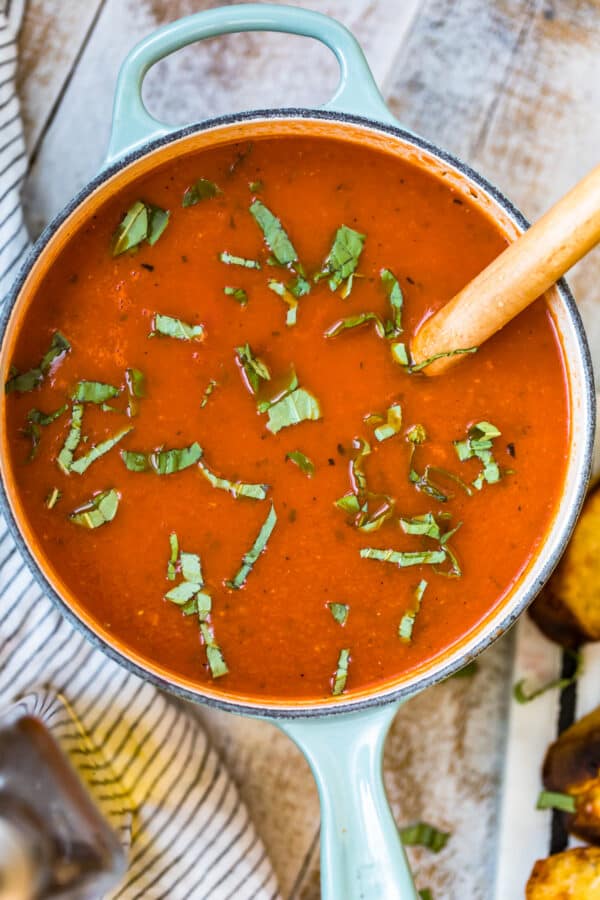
[(527, 268)]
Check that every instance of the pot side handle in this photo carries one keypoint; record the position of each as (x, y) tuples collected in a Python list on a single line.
[(362, 857), (133, 125)]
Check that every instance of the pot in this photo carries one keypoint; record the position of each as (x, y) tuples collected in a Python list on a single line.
[(361, 852)]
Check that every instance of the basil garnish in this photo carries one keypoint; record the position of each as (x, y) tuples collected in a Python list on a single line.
[(339, 611), (417, 367), (389, 425), (302, 461), (238, 294), (212, 384), (52, 498), (136, 388), (27, 381), (291, 293), (423, 835), (555, 800), (175, 328), (65, 456), (94, 392), (368, 510), (399, 353), (162, 462), (522, 695), (425, 525), (402, 559), (254, 369), (479, 444), (394, 295), (203, 189), (298, 406), (231, 260), (343, 257), (256, 549), (102, 508), (174, 545), (356, 322), (274, 234), (216, 661), (84, 462), (405, 629), (142, 222), (341, 673), (235, 488), (36, 420)]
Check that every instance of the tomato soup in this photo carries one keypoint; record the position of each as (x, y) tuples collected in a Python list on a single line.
[(220, 443)]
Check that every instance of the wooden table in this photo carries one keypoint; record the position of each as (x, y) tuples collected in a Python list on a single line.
[(512, 86)]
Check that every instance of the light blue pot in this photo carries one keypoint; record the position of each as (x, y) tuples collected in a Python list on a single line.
[(362, 857)]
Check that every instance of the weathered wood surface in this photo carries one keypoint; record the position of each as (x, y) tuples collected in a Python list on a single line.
[(513, 86)]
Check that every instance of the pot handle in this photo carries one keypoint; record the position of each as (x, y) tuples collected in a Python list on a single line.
[(362, 857), (133, 125)]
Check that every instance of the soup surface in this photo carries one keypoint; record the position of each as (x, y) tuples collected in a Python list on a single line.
[(239, 438)]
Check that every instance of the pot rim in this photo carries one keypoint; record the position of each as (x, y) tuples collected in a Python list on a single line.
[(484, 634)]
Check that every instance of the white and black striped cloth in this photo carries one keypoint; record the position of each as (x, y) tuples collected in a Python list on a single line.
[(188, 835)]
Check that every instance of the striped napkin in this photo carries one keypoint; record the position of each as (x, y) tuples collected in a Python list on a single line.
[(188, 834)]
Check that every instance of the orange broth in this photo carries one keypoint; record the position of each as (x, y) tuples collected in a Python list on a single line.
[(276, 633)]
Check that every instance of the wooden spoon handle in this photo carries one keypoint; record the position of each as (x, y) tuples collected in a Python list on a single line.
[(515, 278)]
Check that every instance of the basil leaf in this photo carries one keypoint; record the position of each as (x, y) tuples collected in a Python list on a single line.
[(27, 381), (555, 800), (132, 230), (166, 462), (423, 835), (216, 661), (416, 434), (279, 288), (135, 460), (393, 424), (302, 461), (235, 488), (94, 392), (407, 622), (256, 186), (522, 695), (212, 384), (341, 673), (203, 605), (348, 503), (394, 295), (65, 456), (102, 508), (174, 545), (254, 369), (203, 189), (231, 260), (298, 406), (425, 524), (238, 294), (343, 257), (183, 592), (274, 234), (175, 328), (53, 497), (191, 568), (339, 611), (356, 322), (417, 367), (478, 444), (158, 219), (84, 462), (256, 549), (136, 389), (403, 559), (399, 353), (36, 419)]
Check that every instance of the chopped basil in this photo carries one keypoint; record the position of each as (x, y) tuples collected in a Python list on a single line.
[(391, 425), (275, 235), (102, 508), (94, 392), (256, 549), (36, 420), (238, 294), (417, 367), (27, 381), (216, 661), (478, 444), (402, 558), (231, 260), (203, 189), (65, 456), (256, 186), (416, 434), (136, 388), (341, 673), (302, 461), (191, 568), (394, 295), (235, 488), (289, 293), (522, 695), (175, 328), (555, 800), (282, 385), (343, 257), (339, 611), (174, 545), (254, 369), (212, 384), (298, 406), (84, 462), (52, 498), (368, 510), (399, 353), (405, 629), (356, 322), (142, 222), (183, 592), (423, 835), (425, 524), (162, 462)]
